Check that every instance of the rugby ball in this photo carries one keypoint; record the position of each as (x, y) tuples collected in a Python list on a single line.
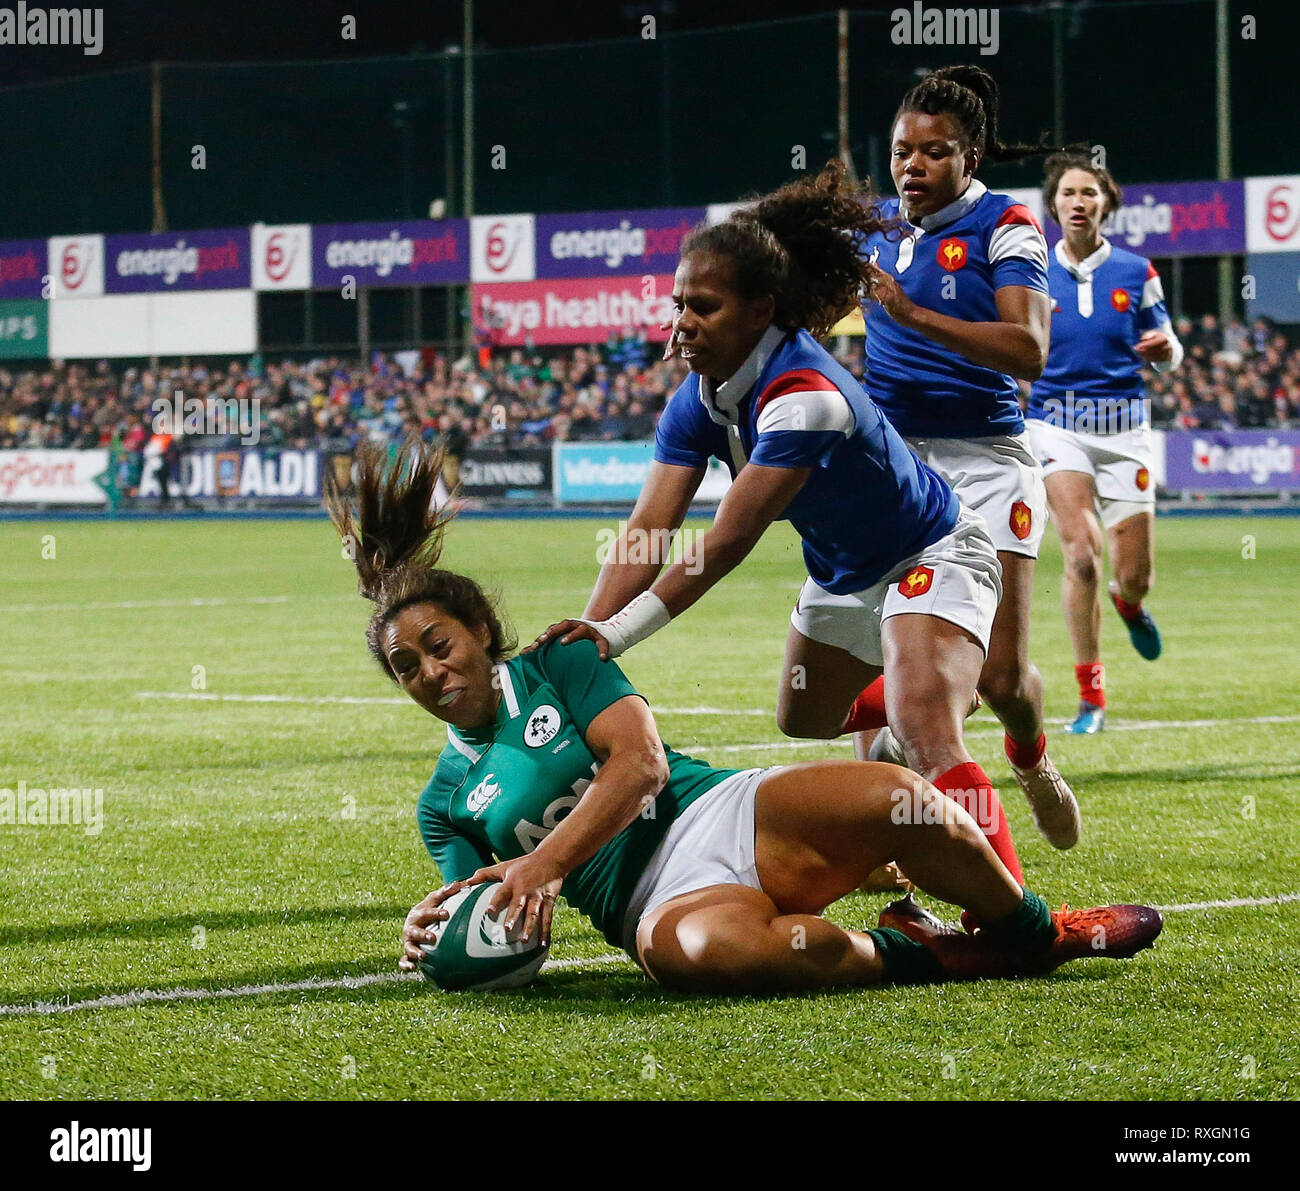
[(473, 950)]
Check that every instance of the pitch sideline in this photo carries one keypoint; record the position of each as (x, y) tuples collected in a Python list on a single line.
[(147, 996)]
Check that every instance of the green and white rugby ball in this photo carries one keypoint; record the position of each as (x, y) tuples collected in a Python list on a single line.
[(473, 950)]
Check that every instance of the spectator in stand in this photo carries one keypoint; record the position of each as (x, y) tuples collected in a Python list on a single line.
[(548, 395)]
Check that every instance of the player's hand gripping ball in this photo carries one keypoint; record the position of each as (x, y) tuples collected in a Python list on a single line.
[(472, 950)]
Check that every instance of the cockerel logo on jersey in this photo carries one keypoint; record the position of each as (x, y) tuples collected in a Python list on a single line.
[(1143, 479), (543, 726), (952, 254), (1119, 298), (1021, 520), (916, 582)]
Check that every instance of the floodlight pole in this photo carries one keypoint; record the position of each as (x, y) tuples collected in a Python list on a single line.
[(467, 145), (842, 54), (155, 103), (1227, 291)]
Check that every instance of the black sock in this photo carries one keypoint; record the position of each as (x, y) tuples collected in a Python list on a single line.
[(905, 960), (1027, 928)]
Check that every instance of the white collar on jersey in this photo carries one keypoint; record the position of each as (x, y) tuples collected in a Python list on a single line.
[(1084, 270), (724, 400), (955, 209), (511, 701)]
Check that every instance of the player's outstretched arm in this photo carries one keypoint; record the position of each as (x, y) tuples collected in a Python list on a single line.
[(758, 497), (660, 510)]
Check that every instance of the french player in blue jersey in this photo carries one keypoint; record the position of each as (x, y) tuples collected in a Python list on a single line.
[(901, 579), (1089, 421), (958, 308)]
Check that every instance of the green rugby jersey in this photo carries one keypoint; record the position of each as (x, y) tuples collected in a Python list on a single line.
[(499, 791)]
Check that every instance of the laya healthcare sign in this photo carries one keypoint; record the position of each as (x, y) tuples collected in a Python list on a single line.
[(582, 311)]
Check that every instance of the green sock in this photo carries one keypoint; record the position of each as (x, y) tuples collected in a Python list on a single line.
[(906, 961), (1027, 928)]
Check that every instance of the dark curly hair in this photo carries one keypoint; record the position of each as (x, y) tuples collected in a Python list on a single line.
[(970, 95), (801, 245), (395, 538), (1056, 167)]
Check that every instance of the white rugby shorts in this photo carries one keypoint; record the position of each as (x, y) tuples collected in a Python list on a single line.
[(1000, 479), (710, 843), (958, 579), (1119, 464)]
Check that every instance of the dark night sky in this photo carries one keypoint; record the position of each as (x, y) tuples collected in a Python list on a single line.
[(137, 32)]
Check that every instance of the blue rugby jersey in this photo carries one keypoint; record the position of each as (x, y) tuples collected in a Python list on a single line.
[(1100, 308), (869, 502), (952, 262)]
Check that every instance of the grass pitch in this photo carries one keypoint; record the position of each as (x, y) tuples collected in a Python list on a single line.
[(253, 845)]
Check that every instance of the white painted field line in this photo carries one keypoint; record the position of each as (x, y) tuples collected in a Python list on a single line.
[(148, 996), (103, 605), (976, 734), (1232, 903), (216, 697), (996, 733), (310, 700)]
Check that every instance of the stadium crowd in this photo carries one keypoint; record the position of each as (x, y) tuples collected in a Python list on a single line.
[(1233, 375)]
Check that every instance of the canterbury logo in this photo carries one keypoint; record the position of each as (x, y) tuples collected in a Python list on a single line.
[(482, 795)]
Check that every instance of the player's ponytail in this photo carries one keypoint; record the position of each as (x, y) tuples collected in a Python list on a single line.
[(800, 244), (970, 95), (394, 536)]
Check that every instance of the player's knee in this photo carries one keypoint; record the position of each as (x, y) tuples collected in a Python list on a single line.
[(927, 734), (1084, 566), (803, 720), (717, 956), (1136, 581)]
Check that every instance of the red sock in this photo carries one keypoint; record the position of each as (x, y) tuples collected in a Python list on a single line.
[(969, 787), (1126, 611), (1091, 677), (868, 709), (1025, 756)]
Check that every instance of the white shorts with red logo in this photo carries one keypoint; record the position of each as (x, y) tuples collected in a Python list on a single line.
[(958, 579), (1119, 464), (997, 477)]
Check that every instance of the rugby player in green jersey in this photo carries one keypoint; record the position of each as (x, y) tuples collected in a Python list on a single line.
[(554, 781)]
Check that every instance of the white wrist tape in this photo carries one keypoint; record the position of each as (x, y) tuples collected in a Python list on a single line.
[(638, 620)]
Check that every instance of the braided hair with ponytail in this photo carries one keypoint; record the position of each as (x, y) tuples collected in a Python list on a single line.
[(970, 96)]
